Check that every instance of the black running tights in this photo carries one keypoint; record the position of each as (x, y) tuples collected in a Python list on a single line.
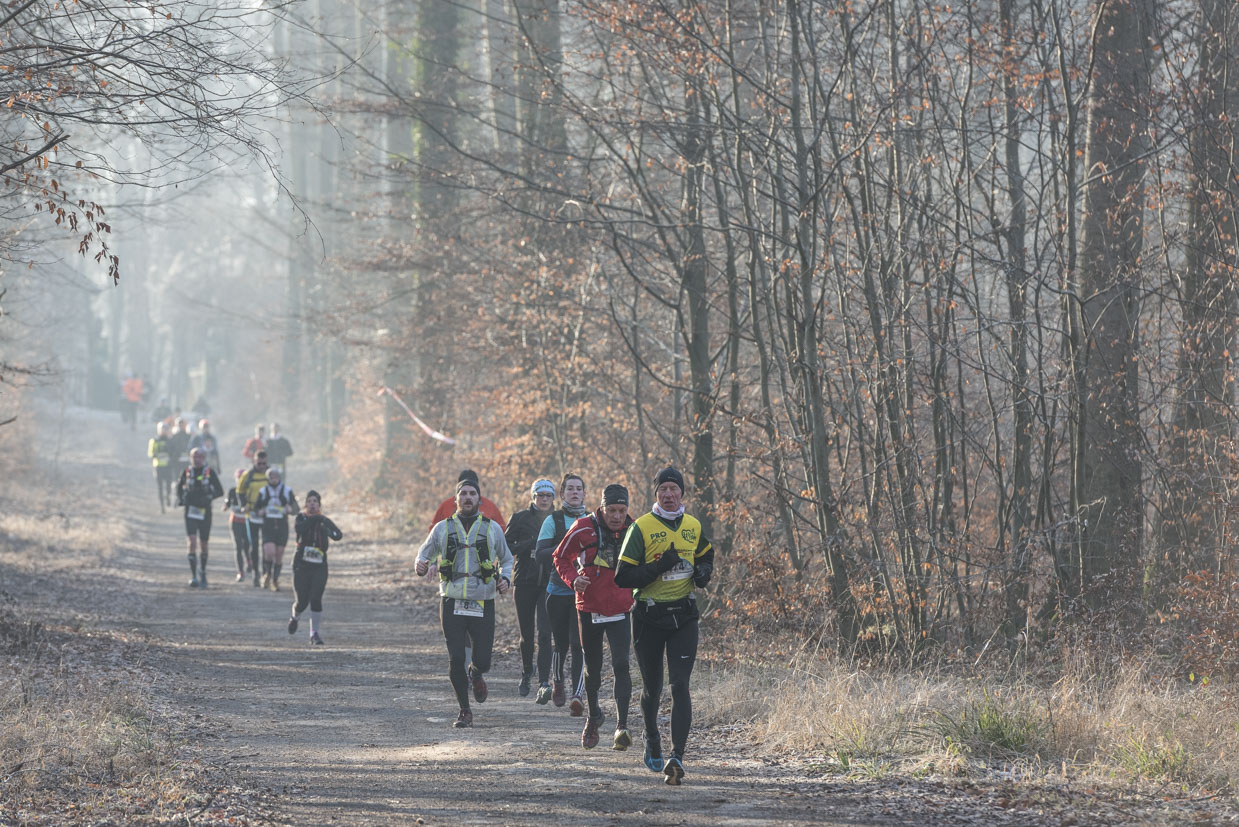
[(619, 638), (679, 648), (481, 630), (531, 615), (561, 609)]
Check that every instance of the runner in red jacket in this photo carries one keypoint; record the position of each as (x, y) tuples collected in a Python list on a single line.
[(586, 559)]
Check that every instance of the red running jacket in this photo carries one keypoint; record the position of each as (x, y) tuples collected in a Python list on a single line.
[(580, 552)]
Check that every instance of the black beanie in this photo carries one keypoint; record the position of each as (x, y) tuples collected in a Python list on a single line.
[(669, 474), (614, 494), (472, 482), (467, 474)]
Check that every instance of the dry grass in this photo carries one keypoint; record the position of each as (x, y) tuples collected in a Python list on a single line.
[(1126, 725)]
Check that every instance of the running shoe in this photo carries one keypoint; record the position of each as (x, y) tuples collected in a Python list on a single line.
[(557, 693), (266, 580), (673, 771), (292, 625), (315, 640), (240, 576), (622, 740), (202, 584), (480, 691), (576, 706), (465, 719), (544, 694), (193, 584), (523, 688), (589, 737), (653, 756)]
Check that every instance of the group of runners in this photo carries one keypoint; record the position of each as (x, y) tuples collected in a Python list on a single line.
[(579, 579)]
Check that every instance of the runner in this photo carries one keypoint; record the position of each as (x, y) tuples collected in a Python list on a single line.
[(240, 527), (132, 392), (248, 488), (529, 585), (162, 411), (275, 502), (157, 449), (205, 440), (254, 444), (315, 531), (586, 558), (474, 563), (178, 446), (664, 621), (279, 449), (448, 506), (560, 600), (195, 489)]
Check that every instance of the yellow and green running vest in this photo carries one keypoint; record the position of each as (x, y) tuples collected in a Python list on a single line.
[(659, 536)]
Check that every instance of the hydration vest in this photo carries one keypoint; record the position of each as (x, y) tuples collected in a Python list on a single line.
[(601, 553), (455, 542)]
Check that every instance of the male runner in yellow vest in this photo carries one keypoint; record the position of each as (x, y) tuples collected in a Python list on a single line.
[(664, 556)]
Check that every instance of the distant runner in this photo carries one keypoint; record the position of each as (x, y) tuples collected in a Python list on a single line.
[(279, 449), (205, 440), (275, 502), (239, 523), (586, 558), (248, 488), (195, 489), (664, 556), (474, 563), (314, 533), (161, 462)]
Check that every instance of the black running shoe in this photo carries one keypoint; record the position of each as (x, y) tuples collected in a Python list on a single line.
[(315, 640), (480, 692), (465, 719), (523, 688), (653, 757), (292, 625)]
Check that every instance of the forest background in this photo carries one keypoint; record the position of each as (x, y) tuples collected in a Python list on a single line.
[(934, 304)]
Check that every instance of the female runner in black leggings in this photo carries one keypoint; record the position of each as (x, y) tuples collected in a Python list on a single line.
[(314, 532)]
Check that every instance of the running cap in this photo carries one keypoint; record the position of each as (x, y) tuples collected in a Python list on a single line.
[(542, 487), (669, 474), (615, 494)]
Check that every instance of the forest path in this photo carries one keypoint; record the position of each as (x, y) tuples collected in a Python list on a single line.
[(358, 731)]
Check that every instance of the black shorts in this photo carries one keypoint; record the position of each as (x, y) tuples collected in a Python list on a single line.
[(275, 531), (202, 527)]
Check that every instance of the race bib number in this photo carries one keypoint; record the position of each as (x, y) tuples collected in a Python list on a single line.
[(682, 571), (274, 511), (193, 512), (597, 618), (468, 608), (312, 555)]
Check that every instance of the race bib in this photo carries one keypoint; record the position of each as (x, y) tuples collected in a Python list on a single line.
[(312, 555), (163, 458), (597, 618), (274, 511), (256, 519), (468, 608), (193, 512), (682, 571)]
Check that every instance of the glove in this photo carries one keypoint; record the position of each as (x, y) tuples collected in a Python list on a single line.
[(669, 560), (702, 572)]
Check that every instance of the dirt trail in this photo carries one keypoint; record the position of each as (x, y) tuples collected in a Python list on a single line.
[(358, 731)]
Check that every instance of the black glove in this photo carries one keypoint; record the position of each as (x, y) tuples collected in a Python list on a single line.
[(702, 573), (669, 560)]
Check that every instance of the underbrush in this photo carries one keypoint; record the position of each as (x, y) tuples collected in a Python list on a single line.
[(1126, 725), (82, 739)]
